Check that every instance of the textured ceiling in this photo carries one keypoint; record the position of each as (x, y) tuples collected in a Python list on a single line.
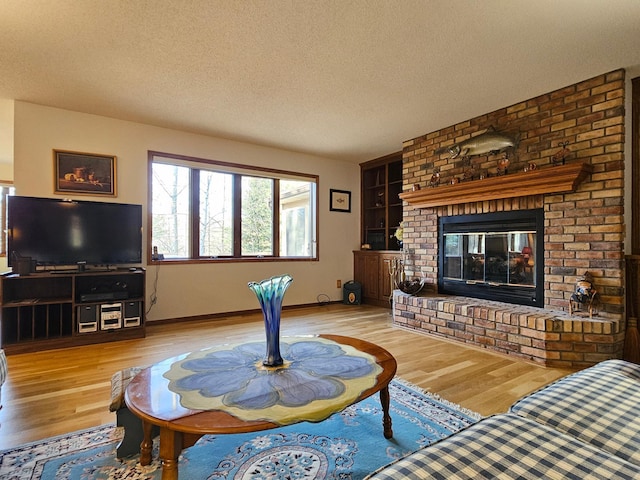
[(345, 79)]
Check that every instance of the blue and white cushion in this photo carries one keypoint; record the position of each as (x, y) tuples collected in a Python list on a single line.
[(599, 406), (509, 447), (631, 370)]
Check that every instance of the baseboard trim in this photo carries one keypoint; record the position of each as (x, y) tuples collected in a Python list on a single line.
[(213, 316)]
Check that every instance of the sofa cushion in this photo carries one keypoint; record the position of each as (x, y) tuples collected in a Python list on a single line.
[(629, 369), (508, 447), (3, 372), (599, 405), (119, 382), (3, 367)]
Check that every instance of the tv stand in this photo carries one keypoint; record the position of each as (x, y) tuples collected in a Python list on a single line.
[(81, 271), (42, 311)]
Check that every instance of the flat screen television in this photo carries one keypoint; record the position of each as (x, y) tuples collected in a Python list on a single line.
[(56, 232)]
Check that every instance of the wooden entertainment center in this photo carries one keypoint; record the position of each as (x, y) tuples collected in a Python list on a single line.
[(57, 309)]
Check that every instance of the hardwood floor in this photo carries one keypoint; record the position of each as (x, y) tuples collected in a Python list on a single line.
[(57, 391)]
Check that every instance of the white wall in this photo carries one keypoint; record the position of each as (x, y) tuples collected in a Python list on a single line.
[(6, 151), (6, 139), (190, 290)]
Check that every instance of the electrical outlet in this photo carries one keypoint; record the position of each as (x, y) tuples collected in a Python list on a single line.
[(338, 283)]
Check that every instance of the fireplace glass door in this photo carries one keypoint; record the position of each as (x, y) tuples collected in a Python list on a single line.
[(493, 257)]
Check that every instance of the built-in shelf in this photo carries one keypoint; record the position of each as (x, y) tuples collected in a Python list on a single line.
[(559, 179), (381, 207)]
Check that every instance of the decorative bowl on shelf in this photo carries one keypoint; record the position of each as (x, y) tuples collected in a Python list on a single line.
[(411, 286)]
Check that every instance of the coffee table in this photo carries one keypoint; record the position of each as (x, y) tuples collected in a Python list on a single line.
[(159, 393)]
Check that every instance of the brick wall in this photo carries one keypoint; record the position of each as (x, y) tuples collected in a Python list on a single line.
[(584, 230)]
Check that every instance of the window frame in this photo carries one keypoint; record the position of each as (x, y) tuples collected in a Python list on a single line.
[(239, 169), (4, 194)]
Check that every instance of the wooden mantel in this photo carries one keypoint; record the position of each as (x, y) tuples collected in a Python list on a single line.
[(563, 178)]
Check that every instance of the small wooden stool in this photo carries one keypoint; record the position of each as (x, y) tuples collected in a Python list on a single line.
[(133, 434)]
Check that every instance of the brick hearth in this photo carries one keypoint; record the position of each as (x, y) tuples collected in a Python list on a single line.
[(543, 336)]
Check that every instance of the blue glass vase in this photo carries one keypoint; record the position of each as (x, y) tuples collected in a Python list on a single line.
[(270, 293)]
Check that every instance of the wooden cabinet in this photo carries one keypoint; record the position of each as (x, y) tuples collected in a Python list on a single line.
[(372, 270), (54, 310), (381, 205)]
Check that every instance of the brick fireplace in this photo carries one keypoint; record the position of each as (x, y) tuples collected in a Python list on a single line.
[(583, 222)]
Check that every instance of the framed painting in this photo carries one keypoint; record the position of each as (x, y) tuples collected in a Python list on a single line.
[(84, 173), (339, 200)]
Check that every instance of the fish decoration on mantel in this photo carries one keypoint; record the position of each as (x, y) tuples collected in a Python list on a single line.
[(489, 142)]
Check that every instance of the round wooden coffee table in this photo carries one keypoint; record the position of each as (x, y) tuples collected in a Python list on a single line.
[(159, 393)]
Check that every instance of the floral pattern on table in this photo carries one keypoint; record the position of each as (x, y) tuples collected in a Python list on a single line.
[(319, 377)]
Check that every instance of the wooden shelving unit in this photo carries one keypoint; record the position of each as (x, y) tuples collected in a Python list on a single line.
[(381, 216), (381, 203)]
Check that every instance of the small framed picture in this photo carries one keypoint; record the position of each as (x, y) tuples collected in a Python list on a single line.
[(339, 200), (84, 173)]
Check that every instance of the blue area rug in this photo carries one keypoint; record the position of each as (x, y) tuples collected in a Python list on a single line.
[(348, 445)]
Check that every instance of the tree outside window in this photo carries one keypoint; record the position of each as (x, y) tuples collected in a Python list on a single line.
[(170, 210), (216, 214), (257, 216)]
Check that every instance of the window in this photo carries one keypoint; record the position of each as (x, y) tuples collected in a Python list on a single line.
[(6, 189), (204, 210), (256, 213), (216, 214)]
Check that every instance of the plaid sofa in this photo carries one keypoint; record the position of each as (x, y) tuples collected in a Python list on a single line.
[(583, 426)]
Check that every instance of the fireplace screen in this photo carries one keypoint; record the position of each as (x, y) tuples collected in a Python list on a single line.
[(492, 257), (496, 256)]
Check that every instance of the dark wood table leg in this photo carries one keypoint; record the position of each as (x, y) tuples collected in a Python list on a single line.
[(170, 448), (386, 418), (147, 444)]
